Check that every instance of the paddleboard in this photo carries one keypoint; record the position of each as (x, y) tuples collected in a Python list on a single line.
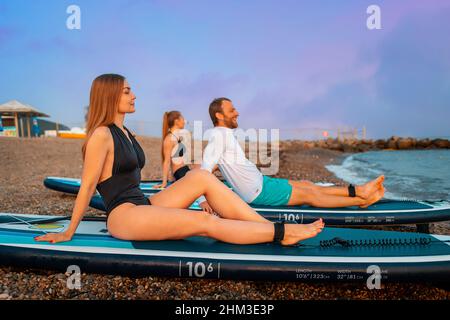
[(72, 185), (337, 254), (384, 212)]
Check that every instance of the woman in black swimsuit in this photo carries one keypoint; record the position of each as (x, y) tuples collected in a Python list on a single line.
[(113, 160), (173, 151)]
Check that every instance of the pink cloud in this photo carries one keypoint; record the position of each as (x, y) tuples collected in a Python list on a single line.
[(206, 84), (317, 70)]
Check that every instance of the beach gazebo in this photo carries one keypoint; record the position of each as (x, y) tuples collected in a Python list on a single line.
[(15, 115)]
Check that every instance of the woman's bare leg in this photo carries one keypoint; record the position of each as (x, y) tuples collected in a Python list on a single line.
[(363, 191), (130, 222), (199, 182)]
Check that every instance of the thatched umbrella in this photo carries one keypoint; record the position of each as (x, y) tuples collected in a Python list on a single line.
[(19, 110)]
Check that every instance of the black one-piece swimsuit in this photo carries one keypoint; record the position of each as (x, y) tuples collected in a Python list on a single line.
[(123, 185)]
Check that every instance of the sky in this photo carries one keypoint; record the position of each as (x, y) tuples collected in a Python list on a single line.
[(297, 66)]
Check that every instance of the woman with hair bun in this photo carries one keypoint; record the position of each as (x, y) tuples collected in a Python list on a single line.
[(173, 150)]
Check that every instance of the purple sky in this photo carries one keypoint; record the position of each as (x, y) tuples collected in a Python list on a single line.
[(293, 65)]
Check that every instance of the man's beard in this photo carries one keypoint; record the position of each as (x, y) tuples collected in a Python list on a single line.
[(230, 124)]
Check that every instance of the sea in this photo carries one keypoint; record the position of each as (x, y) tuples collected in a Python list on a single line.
[(409, 174)]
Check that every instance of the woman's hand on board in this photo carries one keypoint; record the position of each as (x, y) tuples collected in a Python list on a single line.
[(206, 207), (160, 186), (54, 237)]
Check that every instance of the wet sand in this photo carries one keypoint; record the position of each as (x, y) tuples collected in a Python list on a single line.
[(26, 162)]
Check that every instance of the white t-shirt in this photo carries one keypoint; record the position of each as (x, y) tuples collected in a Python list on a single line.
[(224, 150)]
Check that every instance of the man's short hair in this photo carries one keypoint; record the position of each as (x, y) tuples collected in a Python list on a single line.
[(216, 106)]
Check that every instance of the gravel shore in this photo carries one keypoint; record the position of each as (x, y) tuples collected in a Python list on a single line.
[(26, 162)]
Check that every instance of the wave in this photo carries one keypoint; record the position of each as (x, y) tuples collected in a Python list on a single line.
[(409, 174)]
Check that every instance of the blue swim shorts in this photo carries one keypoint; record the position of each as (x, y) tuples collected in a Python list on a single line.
[(275, 192)]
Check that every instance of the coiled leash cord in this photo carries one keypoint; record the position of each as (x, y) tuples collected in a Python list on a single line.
[(377, 242)]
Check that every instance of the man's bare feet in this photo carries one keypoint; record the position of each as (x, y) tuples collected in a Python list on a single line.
[(375, 197), (298, 232), (365, 191)]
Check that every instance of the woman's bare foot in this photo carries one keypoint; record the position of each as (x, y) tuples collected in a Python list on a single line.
[(298, 232), (375, 197), (365, 191)]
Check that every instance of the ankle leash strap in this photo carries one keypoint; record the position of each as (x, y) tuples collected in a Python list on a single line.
[(351, 190), (279, 232)]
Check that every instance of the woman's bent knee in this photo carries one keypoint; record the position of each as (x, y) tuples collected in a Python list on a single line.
[(200, 174)]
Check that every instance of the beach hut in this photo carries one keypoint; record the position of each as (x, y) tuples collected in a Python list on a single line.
[(16, 118)]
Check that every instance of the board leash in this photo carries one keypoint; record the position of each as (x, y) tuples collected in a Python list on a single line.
[(378, 242), (371, 242)]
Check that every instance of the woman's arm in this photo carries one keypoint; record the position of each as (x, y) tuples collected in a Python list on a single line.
[(167, 152), (96, 151)]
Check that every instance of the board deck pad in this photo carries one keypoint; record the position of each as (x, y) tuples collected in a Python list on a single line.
[(398, 255)]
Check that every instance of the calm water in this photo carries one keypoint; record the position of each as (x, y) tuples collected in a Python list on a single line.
[(413, 174)]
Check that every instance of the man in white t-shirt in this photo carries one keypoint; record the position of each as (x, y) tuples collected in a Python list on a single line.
[(224, 151)]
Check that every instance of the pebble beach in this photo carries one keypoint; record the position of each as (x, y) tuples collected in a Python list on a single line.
[(26, 162)]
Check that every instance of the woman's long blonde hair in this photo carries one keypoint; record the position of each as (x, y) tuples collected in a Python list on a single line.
[(106, 91), (168, 122)]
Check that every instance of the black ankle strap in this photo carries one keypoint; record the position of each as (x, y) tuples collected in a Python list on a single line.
[(279, 232), (351, 191)]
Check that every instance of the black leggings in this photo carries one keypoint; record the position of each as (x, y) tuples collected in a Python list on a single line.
[(180, 173)]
